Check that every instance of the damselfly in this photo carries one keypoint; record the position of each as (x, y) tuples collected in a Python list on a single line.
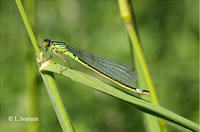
[(115, 71)]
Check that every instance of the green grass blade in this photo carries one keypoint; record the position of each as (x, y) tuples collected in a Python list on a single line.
[(53, 91), (137, 102), (127, 14), (28, 27), (151, 122), (48, 79)]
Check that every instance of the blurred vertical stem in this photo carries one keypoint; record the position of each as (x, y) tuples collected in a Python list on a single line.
[(133, 36), (48, 79), (31, 76)]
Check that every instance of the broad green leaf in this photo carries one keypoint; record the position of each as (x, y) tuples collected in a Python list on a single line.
[(141, 104)]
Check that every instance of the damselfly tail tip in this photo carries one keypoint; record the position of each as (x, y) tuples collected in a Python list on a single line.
[(145, 92)]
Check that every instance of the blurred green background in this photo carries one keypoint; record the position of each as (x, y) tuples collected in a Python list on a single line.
[(169, 32)]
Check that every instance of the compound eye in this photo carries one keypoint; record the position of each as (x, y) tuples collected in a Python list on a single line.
[(46, 42)]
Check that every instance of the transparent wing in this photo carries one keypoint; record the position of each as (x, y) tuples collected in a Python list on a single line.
[(114, 69)]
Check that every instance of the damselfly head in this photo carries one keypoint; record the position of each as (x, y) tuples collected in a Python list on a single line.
[(46, 42)]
